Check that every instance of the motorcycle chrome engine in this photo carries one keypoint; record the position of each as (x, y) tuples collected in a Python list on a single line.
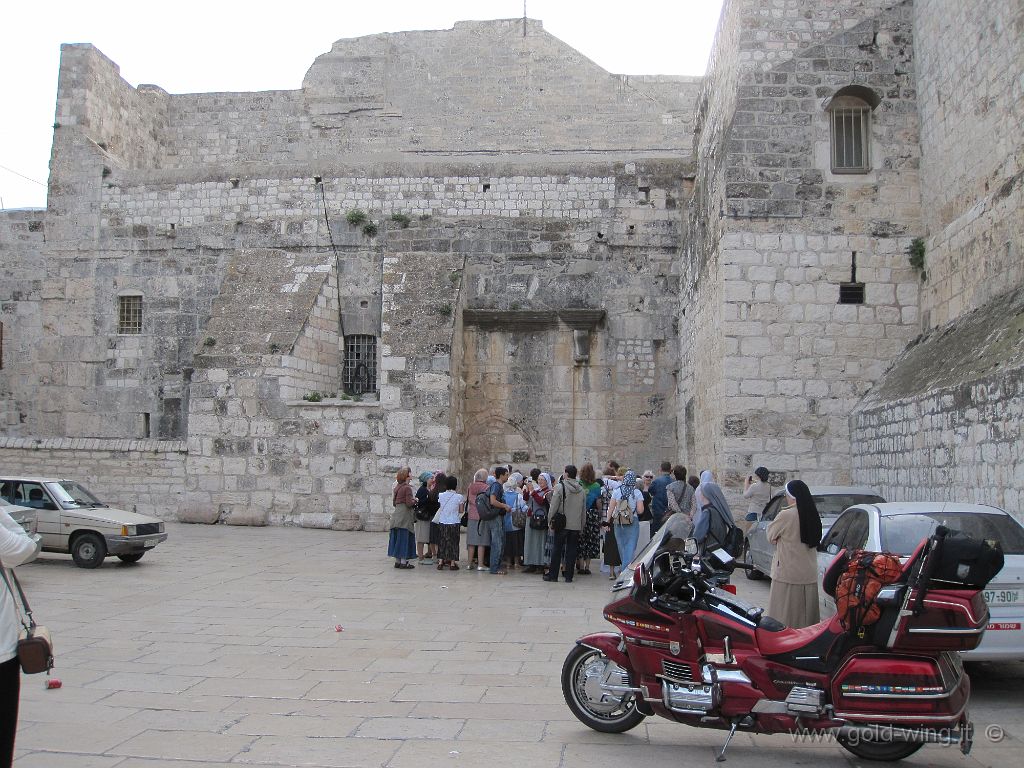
[(691, 699)]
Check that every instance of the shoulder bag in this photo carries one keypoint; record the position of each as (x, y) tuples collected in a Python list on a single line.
[(35, 648)]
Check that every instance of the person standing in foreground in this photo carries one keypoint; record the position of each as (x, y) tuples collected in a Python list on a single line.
[(496, 528), (476, 541), (659, 496), (569, 498), (795, 532), (402, 540), (16, 547)]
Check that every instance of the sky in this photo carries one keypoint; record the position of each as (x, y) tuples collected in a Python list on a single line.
[(223, 45)]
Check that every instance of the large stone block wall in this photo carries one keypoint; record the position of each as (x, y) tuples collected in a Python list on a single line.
[(971, 100), (946, 421), (777, 362), (145, 476)]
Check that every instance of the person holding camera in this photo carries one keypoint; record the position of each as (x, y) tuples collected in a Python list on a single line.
[(757, 492)]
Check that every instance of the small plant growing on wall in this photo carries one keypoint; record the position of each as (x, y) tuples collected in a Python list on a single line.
[(454, 277), (915, 253), (313, 397), (370, 229), (275, 348), (401, 220), (356, 217), (445, 310), (209, 341)]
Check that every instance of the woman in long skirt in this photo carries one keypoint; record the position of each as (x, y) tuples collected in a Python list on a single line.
[(447, 520), (477, 540), (590, 536), (402, 540), (537, 500), (795, 532), (423, 515)]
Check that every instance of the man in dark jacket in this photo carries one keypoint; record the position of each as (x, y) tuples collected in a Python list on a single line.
[(569, 498), (659, 497)]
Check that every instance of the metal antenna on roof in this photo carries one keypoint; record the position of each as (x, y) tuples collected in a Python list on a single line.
[(524, 18)]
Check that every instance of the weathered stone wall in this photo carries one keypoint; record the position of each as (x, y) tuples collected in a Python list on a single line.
[(145, 476), (783, 361), (971, 100), (946, 422)]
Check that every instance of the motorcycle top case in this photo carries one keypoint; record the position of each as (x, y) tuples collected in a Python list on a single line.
[(966, 563)]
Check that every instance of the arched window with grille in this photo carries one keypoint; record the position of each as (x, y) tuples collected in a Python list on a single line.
[(359, 371), (850, 110)]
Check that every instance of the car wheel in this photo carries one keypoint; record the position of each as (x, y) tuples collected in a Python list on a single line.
[(751, 573), (132, 558), (89, 550)]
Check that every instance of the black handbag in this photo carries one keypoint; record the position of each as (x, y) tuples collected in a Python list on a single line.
[(35, 647)]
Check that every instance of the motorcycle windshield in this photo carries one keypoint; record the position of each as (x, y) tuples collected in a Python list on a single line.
[(645, 556)]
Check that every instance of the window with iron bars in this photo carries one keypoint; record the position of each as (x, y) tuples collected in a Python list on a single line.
[(851, 144), (129, 314), (359, 371)]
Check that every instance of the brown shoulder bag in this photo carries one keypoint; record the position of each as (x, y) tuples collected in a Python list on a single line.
[(35, 648)]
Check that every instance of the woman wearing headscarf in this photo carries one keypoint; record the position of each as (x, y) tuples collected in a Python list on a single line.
[(538, 498), (514, 536), (590, 536), (714, 518), (795, 532), (402, 540), (423, 515), (476, 539), (626, 534), (698, 497)]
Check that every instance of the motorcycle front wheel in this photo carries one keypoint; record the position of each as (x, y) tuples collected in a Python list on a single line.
[(584, 672), (879, 750)]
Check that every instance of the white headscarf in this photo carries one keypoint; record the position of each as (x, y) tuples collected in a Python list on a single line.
[(705, 478)]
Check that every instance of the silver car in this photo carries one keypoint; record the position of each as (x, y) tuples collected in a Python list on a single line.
[(72, 520), (831, 500), (899, 527)]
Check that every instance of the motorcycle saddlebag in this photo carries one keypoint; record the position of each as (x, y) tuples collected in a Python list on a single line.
[(972, 563), (887, 688)]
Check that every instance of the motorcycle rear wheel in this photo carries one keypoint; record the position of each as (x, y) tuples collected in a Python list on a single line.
[(889, 751), (582, 673)]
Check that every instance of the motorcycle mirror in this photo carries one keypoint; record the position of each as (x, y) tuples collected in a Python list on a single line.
[(690, 547), (642, 576)]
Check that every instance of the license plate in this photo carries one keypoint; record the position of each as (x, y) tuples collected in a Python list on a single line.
[(1003, 625), (149, 543), (1002, 596)]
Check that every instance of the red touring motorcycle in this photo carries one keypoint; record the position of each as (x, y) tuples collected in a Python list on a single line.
[(691, 652)]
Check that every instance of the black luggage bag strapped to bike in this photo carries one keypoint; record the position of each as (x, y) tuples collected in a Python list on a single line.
[(965, 561)]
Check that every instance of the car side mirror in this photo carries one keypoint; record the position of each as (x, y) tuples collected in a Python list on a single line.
[(751, 517), (831, 549)]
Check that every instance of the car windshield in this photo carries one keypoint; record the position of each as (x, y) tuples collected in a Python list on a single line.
[(834, 504), (71, 495), (902, 533)]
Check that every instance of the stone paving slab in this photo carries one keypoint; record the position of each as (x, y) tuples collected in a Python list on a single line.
[(221, 648)]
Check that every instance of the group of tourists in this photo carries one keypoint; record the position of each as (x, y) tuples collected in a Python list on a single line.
[(565, 527)]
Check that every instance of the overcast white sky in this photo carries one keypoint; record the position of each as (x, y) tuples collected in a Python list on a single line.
[(190, 46)]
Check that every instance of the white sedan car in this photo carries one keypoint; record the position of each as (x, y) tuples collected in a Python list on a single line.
[(899, 527)]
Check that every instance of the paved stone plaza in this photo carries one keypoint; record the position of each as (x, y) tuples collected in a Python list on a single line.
[(220, 648)]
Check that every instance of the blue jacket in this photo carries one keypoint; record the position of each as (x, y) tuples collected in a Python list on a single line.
[(659, 496)]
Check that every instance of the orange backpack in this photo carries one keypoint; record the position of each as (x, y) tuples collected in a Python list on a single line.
[(858, 586)]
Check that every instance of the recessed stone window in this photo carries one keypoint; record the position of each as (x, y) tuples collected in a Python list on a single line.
[(359, 371), (129, 314), (849, 113)]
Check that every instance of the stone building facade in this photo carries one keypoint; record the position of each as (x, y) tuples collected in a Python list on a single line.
[(458, 247), (387, 267), (799, 297)]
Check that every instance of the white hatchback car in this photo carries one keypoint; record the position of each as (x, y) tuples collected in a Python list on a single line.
[(899, 527), (70, 519)]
